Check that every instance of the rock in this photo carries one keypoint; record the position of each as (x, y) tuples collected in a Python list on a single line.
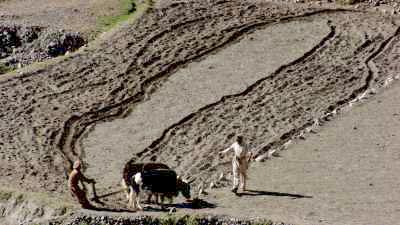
[(58, 43), (262, 157), (372, 91), (212, 185), (201, 192), (301, 135), (363, 95), (172, 210), (221, 176), (316, 123), (287, 144), (310, 130), (200, 186), (387, 81)]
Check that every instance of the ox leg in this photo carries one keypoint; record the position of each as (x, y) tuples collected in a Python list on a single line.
[(170, 199), (161, 203), (162, 199), (131, 202), (149, 198), (137, 201), (127, 190), (157, 202)]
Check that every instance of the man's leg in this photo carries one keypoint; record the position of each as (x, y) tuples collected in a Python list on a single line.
[(83, 200), (243, 178), (235, 171)]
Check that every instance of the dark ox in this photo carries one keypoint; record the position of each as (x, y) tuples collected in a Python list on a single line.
[(161, 182), (131, 168), (154, 179)]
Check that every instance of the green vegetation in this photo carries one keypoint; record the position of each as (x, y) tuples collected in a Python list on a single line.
[(198, 220), (59, 203), (176, 219), (4, 68), (5, 195), (19, 198), (127, 7), (83, 223)]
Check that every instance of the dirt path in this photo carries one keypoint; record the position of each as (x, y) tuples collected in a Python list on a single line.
[(227, 72)]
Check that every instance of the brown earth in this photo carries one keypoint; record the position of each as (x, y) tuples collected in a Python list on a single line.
[(35, 31), (52, 114), (76, 15)]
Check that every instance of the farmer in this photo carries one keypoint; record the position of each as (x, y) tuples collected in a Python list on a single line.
[(75, 177), (240, 163)]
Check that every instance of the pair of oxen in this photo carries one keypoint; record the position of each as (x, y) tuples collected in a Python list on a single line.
[(157, 180)]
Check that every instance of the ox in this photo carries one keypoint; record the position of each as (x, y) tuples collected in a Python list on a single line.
[(131, 168), (161, 182)]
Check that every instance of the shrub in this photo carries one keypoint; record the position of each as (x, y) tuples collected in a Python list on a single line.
[(4, 68)]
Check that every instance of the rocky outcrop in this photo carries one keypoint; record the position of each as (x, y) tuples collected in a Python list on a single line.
[(20, 46)]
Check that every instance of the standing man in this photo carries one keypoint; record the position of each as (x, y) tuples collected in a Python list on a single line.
[(240, 163), (75, 177)]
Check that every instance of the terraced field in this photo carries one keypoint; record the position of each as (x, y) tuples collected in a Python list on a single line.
[(178, 83)]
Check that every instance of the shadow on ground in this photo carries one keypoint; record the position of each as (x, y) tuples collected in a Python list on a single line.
[(270, 193), (193, 204)]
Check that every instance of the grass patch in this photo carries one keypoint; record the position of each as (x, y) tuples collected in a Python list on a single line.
[(5, 196), (132, 12), (127, 7), (175, 219), (4, 68), (54, 201), (198, 220)]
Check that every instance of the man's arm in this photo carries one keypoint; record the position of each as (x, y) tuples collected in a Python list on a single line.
[(250, 156), (87, 180), (226, 150)]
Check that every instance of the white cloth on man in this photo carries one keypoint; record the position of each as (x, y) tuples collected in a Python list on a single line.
[(239, 164)]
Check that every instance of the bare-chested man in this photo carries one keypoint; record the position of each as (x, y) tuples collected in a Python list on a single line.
[(75, 177)]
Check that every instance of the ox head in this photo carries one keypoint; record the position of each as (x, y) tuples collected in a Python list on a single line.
[(183, 185)]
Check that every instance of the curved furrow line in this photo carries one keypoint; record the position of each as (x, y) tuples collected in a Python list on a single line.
[(368, 80), (141, 95), (166, 132), (371, 66), (371, 70), (346, 81), (373, 74), (117, 80)]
